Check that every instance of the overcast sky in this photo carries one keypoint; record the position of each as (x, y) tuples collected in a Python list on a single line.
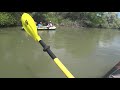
[(119, 14)]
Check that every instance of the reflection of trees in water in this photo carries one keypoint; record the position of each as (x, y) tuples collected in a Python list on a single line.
[(48, 36), (75, 42), (106, 37), (80, 42)]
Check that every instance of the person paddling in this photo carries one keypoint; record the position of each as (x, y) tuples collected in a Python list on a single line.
[(49, 24), (40, 24)]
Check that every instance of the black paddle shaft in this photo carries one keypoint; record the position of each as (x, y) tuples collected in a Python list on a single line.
[(47, 49)]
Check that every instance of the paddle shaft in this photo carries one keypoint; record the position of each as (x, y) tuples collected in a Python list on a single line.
[(30, 27), (56, 60)]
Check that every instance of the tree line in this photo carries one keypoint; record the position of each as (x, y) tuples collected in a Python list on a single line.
[(75, 19)]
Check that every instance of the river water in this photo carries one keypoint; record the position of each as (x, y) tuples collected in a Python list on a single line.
[(86, 53)]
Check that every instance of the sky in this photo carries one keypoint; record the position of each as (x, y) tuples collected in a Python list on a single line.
[(119, 14)]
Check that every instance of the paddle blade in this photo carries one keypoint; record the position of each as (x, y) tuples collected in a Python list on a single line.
[(30, 26)]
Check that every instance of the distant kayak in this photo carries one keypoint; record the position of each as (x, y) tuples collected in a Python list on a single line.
[(45, 28), (114, 72)]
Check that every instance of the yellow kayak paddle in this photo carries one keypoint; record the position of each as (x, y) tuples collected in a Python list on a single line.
[(30, 27)]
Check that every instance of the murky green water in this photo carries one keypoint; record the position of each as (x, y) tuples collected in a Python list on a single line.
[(87, 53)]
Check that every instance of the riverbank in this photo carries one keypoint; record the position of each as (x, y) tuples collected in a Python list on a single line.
[(66, 19), (82, 27), (62, 27)]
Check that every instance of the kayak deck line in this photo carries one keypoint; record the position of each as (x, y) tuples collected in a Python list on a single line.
[(114, 72), (44, 28)]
